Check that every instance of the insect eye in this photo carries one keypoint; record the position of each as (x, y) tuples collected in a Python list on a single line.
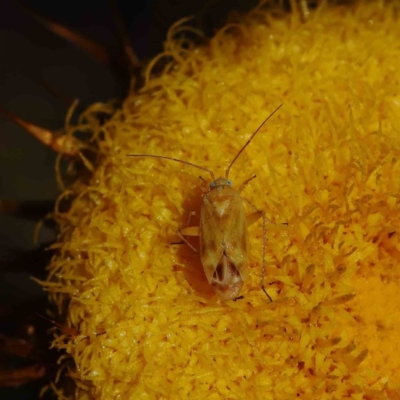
[(212, 184), (229, 182)]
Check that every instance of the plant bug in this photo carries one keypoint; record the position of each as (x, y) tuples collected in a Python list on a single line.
[(72, 333), (223, 229)]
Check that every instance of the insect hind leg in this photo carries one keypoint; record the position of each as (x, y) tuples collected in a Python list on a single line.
[(188, 231), (250, 219)]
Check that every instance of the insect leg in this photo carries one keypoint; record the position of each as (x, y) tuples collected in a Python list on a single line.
[(245, 183), (186, 226), (203, 185), (250, 220), (263, 256), (188, 231)]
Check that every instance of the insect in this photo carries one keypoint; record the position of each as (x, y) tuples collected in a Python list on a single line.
[(223, 229), (67, 330)]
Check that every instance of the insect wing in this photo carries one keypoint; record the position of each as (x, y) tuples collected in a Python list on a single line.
[(223, 241)]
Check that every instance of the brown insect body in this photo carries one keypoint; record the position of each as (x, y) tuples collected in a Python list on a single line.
[(224, 239), (223, 230)]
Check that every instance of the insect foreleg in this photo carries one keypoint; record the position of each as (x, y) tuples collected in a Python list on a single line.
[(203, 187), (245, 183)]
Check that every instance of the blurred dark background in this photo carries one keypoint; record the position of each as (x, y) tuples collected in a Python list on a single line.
[(31, 55)]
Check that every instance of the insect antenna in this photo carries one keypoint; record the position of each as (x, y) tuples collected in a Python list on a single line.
[(67, 330), (175, 159), (247, 143)]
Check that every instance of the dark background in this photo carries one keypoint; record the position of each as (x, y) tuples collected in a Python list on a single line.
[(29, 55)]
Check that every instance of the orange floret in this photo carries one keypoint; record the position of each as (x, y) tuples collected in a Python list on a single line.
[(327, 177)]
